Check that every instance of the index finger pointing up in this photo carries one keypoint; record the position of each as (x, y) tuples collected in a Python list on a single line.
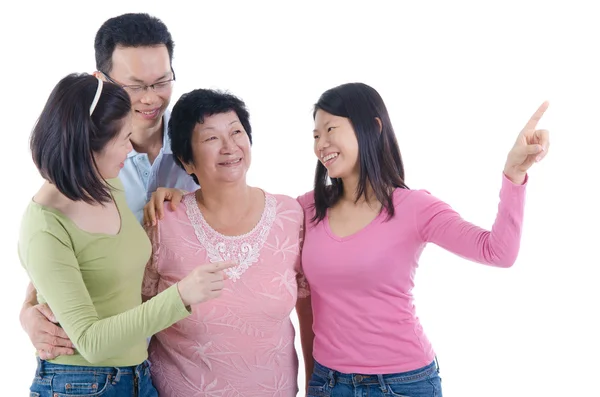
[(533, 121)]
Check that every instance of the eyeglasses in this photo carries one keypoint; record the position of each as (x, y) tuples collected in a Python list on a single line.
[(136, 89)]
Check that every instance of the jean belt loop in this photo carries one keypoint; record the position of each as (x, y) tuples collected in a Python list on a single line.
[(382, 383), (118, 376), (331, 377)]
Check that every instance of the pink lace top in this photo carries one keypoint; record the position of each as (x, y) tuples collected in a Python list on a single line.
[(242, 343)]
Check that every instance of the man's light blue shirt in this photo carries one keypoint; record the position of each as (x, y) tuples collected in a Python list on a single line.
[(140, 178)]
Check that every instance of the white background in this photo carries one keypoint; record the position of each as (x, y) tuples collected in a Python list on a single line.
[(459, 78)]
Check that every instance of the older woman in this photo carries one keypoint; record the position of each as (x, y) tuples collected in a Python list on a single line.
[(243, 342)]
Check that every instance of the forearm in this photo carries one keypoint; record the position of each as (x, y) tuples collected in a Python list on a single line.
[(30, 301), (30, 296), (97, 340), (305, 318)]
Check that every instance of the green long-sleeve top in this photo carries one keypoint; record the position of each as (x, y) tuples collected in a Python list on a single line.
[(92, 282)]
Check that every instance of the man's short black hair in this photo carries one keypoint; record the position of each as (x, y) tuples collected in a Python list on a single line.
[(129, 30)]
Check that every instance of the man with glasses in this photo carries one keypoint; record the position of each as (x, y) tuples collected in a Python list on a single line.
[(134, 51)]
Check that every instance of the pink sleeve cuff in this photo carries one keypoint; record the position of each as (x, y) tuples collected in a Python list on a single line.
[(508, 183)]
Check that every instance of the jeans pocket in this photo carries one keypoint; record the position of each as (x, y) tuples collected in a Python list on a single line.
[(80, 384), (422, 388), (436, 383), (395, 392), (41, 387), (318, 391)]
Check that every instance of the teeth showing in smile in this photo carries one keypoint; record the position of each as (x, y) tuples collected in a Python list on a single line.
[(329, 157), (148, 113), (232, 162)]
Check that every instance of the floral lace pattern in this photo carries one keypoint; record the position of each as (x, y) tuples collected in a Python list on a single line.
[(243, 249)]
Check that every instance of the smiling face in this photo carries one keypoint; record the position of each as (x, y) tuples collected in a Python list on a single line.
[(140, 66), (220, 150), (336, 145), (111, 158)]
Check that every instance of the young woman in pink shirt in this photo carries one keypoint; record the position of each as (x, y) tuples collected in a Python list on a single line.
[(364, 233)]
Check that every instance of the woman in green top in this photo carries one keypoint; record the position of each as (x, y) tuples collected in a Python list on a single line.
[(85, 252)]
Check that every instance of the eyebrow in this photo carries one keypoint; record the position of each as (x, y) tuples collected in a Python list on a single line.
[(136, 80), (212, 128), (324, 125)]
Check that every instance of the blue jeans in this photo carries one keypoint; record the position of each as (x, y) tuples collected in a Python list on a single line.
[(55, 380), (422, 382)]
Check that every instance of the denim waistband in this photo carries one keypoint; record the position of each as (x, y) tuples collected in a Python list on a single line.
[(359, 379), (46, 368)]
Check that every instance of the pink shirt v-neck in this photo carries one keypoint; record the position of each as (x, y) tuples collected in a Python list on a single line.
[(361, 285)]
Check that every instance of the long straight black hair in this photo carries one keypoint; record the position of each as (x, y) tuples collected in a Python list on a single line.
[(379, 156)]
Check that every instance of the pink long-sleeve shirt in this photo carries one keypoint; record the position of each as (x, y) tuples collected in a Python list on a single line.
[(361, 285)]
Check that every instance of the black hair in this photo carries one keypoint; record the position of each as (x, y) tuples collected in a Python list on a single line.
[(129, 30), (191, 109), (66, 136)]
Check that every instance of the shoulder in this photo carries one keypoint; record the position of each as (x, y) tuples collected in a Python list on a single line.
[(418, 202), (307, 200), (177, 223), (412, 197), (286, 206), (44, 225), (285, 201), (41, 218), (183, 210)]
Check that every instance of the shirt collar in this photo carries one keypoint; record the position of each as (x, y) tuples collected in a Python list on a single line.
[(166, 148)]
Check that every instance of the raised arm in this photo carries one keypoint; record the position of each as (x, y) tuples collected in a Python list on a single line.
[(437, 222)]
